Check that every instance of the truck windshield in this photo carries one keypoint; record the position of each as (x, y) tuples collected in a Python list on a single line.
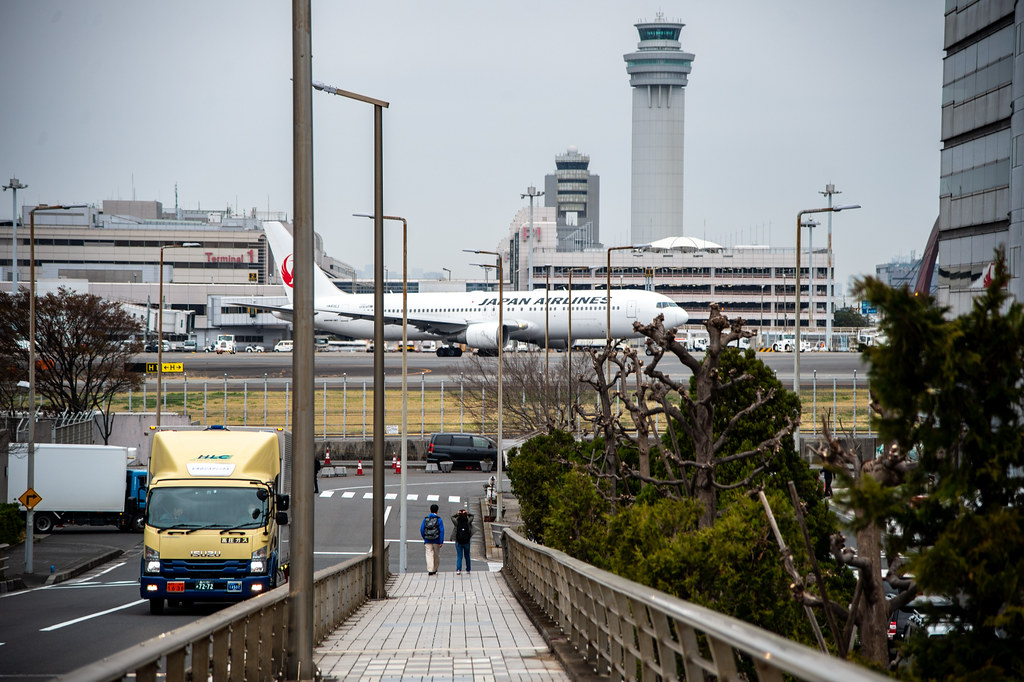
[(194, 508)]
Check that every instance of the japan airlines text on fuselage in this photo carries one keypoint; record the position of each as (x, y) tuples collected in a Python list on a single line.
[(472, 318)]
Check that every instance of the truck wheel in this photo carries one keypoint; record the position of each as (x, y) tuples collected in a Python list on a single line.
[(156, 606), (139, 524), (43, 522)]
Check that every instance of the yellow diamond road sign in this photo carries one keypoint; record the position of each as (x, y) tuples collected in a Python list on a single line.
[(30, 498)]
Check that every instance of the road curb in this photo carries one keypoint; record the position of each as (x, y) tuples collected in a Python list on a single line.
[(83, 566)]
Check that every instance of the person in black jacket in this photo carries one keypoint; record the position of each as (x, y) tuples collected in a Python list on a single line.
[(316, 474)]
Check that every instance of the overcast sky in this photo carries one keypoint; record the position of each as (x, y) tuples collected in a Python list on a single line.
[(121, 100)]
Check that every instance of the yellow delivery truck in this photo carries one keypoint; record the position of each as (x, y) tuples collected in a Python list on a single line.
[(215, 516)]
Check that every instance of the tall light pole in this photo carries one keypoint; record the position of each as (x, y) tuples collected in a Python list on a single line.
[(404, 503), (501, 358), (570, 388), (531, 192), (796, 316), (449, 273), (830, 189), (377, 591), (810, 224), (608, 302), (547, 339), (14, 185), (31, 462), (160, 327)]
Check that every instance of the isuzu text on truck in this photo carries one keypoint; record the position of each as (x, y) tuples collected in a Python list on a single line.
[(217, 505), (86, 485)]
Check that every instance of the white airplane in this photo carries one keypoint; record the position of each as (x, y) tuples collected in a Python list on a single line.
[(471, 318)]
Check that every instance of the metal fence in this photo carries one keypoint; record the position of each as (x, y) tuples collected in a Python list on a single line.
[(246, 641), (343, 408), (631, 632)]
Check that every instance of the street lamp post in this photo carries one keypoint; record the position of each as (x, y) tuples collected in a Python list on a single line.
[(796, 313), (377, 591), (14, 185), (608, 302), (31, 462), (160, 327), (501, 358), (571, 391), (404, 503), (547, 340), (531, 192), (449, 273)]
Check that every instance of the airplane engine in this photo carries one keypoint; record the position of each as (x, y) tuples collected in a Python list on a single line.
[(483, 336)]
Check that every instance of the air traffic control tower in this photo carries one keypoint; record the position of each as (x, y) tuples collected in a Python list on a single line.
[(657, 72)]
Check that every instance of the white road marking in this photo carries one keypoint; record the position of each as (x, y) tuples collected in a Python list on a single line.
[(327, 493), (433, 498), (412, 497), (391, 496), (92, 615), (453, 499), (348, 495), (367, 496), (95, 575)]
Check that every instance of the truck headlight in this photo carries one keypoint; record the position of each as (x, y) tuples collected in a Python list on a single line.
[(151, 560), (258, 564)]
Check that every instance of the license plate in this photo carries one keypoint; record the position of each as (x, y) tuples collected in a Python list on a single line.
[(234, 586), (176, 586), (204, 584)]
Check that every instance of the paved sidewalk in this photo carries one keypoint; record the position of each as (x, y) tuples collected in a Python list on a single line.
[(440, 627)]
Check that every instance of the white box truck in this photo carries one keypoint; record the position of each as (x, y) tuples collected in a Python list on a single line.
[(89, 485)]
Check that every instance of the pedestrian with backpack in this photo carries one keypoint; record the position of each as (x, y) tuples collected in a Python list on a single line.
[(432, 532), (462, 532)]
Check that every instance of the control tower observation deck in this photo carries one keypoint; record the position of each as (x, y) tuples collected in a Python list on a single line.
[(658, 73)]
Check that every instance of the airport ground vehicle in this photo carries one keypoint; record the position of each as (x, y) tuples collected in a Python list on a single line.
[(225, 343), (462, 450), (216, 512), (85, 485), (284, 346), (254, 348)]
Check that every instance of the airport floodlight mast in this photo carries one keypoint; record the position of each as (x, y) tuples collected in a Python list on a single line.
[(830, 189), (14, 185), (531, 192)]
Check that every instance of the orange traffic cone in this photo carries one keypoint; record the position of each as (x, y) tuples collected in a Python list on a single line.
[(359, 470), (398, 468), (327, 458), (394, 461)]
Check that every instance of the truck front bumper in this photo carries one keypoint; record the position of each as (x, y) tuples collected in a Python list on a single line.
[(203, 589)]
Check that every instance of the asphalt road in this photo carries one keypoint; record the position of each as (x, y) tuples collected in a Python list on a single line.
[(52, 630), (359, 366)]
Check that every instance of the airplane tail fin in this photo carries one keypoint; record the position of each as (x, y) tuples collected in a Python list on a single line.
[(282, 246)]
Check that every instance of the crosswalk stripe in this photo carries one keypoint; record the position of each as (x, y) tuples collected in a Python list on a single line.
[(348, 494), (327, 493)]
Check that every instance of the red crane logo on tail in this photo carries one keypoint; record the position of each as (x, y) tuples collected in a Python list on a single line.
[(286, 271)]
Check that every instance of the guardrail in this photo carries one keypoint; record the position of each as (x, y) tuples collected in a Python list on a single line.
[(631, 632), (246, 641)]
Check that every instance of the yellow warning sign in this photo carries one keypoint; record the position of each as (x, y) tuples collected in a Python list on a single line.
[(168, 367), (30, 498)]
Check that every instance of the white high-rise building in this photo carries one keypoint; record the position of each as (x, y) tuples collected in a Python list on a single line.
[(658, 73)]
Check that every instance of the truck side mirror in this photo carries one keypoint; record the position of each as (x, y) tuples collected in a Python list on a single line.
[(283, 502), (282, 518)]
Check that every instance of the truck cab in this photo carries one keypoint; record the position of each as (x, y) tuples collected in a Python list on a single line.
[(215, 516)]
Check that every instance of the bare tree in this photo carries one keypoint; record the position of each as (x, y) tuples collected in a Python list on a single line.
[(646, 392), (83, 349)]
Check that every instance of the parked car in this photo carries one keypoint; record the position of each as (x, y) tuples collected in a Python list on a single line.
[(189, 346), (152, 347), (462, 450), (256, 348), (284, 346)]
